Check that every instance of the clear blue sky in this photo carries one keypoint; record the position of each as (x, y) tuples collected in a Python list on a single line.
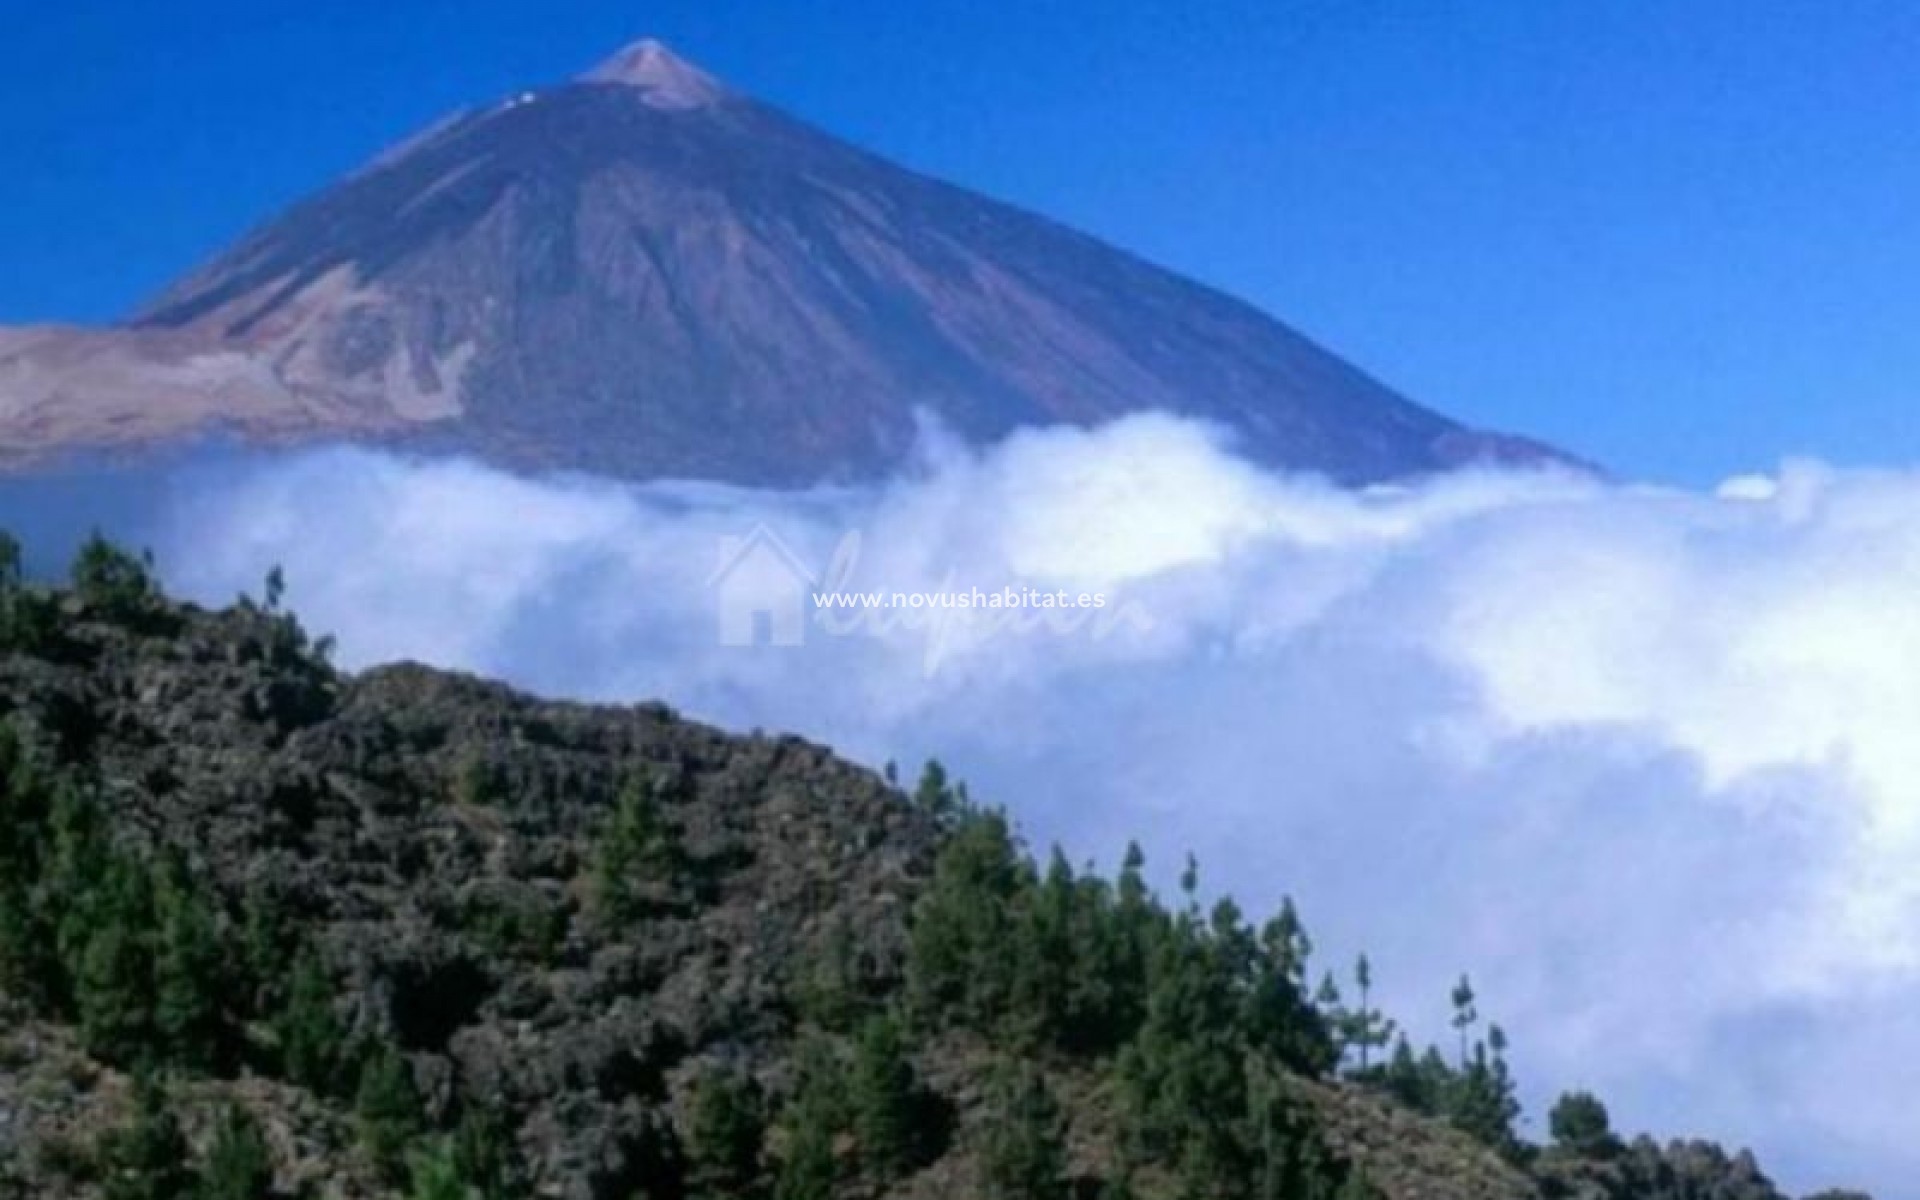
[(1682, 237)]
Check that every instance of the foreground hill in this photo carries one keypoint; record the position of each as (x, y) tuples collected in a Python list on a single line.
[(642, 272), (267, 929)]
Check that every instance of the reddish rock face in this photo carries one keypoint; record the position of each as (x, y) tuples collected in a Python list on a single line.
[(643, 273)]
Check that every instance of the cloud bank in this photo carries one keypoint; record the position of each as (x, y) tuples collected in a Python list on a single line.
[(1643, 760)]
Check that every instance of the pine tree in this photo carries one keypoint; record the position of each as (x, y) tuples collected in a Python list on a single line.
[(75, 876), (1356, 1186), (1047, 1000), (1138, 925), (433, 1175), (267, 949), (307, 1031), (1108, 990), (238, 1164), (934, 793), (113, 972), (1119, 1187), (809, 1170), (1331, 1006), (10, 570), (29, 967), (475, 783), (189, 961), (146, 1159), (831, 992), (1579, 1122), (1289, 1159), (639, 862), (958, 966), (1482, 1101), (1183, 1078), (1464, 1015), (726, 1128), (885, 1098), (812, 1121), (10, 590), (1278, 1016), (1369, 1029), (1023, 1148), (654, 1159), (1327, 998), (484, 1155), (1401, 1077), (1423, 1082), (28, 617), (387, 1109), (113, 584)]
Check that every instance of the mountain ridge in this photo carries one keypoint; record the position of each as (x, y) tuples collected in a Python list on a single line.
[(415, 933)]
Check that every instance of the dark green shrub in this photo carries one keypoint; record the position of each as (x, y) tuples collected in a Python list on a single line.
[(238, 1164), (1579, 1122), (485, 1157), (639, 864), (146, 1159), (387, 1109), (189, 963), (812, 1122), (1023, 1152), (433, 1175), (890, 1109), (307, 1030), (114, 585), (725, 1131)]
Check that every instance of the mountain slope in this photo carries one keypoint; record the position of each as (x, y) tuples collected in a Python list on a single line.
[(410, 922), (644, 273)]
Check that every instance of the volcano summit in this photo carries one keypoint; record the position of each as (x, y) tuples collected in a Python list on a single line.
[(644, 273)]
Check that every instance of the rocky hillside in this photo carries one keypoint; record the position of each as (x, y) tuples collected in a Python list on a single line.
[(270, 930), (642, 272)]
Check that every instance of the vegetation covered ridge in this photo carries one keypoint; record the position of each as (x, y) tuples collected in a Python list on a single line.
[(269, 929)]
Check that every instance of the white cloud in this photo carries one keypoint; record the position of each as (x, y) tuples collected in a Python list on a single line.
[(1642, 759)]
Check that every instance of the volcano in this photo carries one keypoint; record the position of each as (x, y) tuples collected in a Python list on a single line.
[(645, 273)]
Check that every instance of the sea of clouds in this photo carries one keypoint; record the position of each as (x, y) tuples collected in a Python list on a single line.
[(1645, 761)]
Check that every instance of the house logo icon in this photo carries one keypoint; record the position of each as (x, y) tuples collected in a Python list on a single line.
[(761, 591)]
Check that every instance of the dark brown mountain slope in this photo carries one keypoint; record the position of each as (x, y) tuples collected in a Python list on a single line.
[(411, 922), (644, 273)]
